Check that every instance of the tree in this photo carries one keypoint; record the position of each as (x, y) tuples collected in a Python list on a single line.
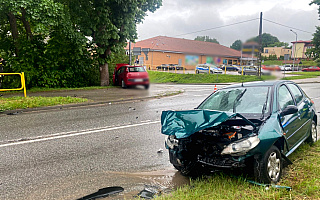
[(317, 2), (316, 44), (206, 39), (267, 39), (316, 38), (279, 44), (37, 37), (110, 24), (236, 45)]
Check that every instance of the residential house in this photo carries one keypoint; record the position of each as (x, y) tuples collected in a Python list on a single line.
[(277, 51), (299, 49)]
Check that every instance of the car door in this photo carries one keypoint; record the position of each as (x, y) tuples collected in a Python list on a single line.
[(304, 112), (121, 74), (204, 68), (290, 123)]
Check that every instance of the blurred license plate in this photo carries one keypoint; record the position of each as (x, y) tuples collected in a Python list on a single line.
[(138, 80)]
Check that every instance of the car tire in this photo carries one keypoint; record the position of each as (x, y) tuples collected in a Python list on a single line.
[(197, 71), (123, 84), (211, 72), (313, 135), (268, 167), (146, 86), (186, 167)]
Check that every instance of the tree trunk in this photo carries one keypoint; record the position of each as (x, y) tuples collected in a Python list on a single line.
[(14, 30), (26, 24), (104, 69), (104, 74)]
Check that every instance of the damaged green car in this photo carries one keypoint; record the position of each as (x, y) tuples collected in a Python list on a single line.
[(250, 125)]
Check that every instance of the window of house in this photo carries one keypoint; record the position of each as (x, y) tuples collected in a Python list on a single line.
[(266, 51)]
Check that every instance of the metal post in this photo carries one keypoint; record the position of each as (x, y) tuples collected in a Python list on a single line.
[(295, 45)]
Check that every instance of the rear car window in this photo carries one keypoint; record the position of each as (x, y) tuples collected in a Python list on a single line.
[(136, 69)]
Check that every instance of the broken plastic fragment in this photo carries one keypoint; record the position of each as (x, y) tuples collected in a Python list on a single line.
[(149, 192), (160, 151), (104, 192)]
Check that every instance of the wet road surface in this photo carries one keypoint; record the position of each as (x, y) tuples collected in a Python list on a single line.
[(70, 153)]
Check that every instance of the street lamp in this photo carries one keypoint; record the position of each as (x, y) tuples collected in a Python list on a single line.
[(294, 53)]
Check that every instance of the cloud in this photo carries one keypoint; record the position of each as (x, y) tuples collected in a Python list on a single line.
[(176, 18)]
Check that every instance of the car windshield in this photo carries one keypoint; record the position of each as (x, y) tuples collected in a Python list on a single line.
[(240, 100), (136, 69)]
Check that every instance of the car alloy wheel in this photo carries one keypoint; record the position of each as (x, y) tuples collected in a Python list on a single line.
[(274, 166), (268, 167), (314, 131), (313, 137)]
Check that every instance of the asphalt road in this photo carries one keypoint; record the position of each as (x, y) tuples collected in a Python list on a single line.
[(70, 153)]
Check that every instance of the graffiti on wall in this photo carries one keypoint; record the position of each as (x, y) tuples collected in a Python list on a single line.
[(191, 60), (214, 60)]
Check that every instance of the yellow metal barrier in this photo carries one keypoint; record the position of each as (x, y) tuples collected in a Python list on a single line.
[(23, 83)]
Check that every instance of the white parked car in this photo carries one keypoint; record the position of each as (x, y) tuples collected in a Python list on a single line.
[(285, 68), (208, 68)]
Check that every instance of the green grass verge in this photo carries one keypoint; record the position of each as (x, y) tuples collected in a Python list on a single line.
[(302, 176), (302, 75), (280, 62), (13, 103), (165, 77)]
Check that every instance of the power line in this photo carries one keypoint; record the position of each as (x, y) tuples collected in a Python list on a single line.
[(287, 26), (218, 27)]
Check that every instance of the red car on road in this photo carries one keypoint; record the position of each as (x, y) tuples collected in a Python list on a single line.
[(311, 69), (127, 75), (271, 67)]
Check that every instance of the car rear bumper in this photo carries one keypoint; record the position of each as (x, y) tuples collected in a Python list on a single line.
[(133, 81)]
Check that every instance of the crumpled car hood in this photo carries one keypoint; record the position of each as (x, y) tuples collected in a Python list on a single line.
[(184, 123)]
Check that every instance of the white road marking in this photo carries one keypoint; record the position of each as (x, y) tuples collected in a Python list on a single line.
[(199, 95), (75, 133), (201, 90)]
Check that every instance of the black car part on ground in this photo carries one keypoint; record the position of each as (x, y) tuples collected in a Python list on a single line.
[(104, 192)]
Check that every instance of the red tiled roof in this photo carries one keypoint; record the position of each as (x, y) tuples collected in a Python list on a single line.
[(301, 41), (178, 45)]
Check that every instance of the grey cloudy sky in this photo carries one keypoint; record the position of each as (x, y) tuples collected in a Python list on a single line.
[(177, 17)]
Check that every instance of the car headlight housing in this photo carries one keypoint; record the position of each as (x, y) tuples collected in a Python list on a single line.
[(241, 147), (171, 142)]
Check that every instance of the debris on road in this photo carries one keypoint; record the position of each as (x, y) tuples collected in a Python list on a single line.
[(104, 192), (160, 151), (149, 192)]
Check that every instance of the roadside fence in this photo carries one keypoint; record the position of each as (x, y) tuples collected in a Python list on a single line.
[(23, 83)]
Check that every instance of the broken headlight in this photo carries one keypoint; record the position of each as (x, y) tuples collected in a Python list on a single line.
[(241, 147), (171, 142)]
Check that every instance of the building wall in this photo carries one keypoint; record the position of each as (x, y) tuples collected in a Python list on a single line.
[(188, 61), (278, 51), (300, 50)]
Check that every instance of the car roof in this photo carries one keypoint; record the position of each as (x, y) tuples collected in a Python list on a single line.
[(259, 83)]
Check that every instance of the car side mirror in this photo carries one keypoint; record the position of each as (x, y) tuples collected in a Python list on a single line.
[(291, 109)]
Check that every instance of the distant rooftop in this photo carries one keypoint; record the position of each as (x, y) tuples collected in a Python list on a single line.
[(185, 46)]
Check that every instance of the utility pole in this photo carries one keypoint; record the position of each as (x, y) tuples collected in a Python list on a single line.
[(129, 52), (260, 43)]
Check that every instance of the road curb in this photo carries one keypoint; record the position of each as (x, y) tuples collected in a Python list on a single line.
[(74, 105)]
